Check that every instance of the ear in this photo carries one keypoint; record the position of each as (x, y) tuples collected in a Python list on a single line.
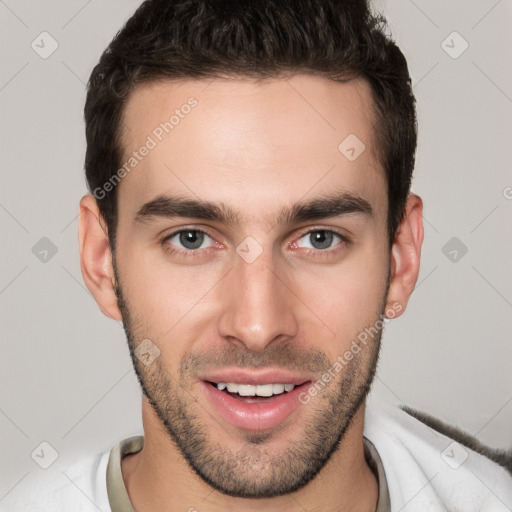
[(405, 256), (96, 257)]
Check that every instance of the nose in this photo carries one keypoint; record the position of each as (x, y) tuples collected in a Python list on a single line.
[(259, 304)]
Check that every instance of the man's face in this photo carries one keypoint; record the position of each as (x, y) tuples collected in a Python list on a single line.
[(266, 293)]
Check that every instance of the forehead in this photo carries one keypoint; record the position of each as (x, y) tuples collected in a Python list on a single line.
[(272, 139)]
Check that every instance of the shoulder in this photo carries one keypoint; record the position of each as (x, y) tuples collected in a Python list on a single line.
[(502, 457), (431, 465), (79, 486)]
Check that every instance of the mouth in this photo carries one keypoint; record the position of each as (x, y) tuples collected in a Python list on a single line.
[(255, 407)]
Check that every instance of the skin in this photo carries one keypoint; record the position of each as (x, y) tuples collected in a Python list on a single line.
[(258, 147)]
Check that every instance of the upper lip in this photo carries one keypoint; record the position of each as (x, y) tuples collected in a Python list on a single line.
[(266, 376)]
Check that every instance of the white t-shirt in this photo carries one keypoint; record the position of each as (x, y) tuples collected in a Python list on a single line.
[(419, 470)]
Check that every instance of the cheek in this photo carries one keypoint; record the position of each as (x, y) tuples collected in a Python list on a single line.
[(166, 298), (347, 298)]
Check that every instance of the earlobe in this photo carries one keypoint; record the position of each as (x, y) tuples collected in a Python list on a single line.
[(405, 256), (96, 257)]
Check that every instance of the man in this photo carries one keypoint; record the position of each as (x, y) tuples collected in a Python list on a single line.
[(251, 223)]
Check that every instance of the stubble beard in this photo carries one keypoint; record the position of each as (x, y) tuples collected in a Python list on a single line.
[(253, 470)]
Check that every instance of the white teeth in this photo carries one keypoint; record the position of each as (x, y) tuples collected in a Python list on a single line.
[(232, 387), (246, 390), (278, 389), (264, 389), (258, 390)]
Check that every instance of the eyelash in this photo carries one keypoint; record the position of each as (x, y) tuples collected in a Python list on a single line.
[(194, 253)]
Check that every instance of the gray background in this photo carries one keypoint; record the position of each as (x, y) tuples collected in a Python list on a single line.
[(65, 375)]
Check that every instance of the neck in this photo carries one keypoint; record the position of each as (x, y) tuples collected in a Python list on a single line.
[(158, 478)]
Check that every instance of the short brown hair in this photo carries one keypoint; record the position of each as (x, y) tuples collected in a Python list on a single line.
[(176, 39)]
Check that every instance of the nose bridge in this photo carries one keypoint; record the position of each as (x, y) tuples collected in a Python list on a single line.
[(259, 306)]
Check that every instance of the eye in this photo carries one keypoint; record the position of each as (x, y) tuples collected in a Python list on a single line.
[(321, 239), (189, 239)]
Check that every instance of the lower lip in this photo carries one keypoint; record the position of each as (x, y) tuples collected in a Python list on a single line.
[(253, 416)]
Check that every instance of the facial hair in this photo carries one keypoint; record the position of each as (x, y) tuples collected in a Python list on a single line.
[(254, 471)]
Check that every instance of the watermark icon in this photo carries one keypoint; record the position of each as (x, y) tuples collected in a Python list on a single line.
[(44, 250), (454, 455), (249, 249), (362, 338), (44, 45), (352, 147), (157, 135), (44, 455), (507, 192), (454, 45), (454, 249), (147, 352)]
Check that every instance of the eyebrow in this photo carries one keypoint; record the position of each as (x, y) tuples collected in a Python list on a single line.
[(325, 207)]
